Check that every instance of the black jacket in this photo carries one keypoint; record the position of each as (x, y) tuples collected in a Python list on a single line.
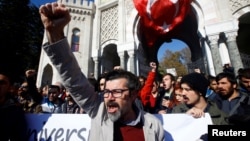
[(13, 125)]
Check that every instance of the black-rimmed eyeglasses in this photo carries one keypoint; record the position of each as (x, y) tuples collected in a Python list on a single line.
[(116, 93)]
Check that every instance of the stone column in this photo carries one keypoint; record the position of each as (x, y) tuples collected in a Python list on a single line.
[(210, 65), (131, 54), (233, 51), (121, 55), (215, 53), (96, 64)]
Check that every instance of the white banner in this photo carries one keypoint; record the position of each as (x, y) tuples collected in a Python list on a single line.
[(75, 127)]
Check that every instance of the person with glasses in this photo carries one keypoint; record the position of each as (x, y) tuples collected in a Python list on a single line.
[(28, 94), (114, 114)]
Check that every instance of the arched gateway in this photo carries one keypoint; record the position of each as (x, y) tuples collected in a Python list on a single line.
[(106, 33)]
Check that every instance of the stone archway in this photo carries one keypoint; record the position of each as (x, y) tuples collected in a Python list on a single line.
[(244, 33), (186, 32), (47, 75), (243, 39), (109, 58)]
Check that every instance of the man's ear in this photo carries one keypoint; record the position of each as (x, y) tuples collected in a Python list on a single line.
[(172, 82)]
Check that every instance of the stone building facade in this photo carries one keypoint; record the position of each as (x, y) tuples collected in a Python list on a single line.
[(106, 33)]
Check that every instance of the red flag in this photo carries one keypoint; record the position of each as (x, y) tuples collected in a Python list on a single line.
[(158, 17)]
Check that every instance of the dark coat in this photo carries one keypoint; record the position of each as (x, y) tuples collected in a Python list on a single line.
[(218, 117), (13, 125)]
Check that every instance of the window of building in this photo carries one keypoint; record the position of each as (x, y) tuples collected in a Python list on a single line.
[(75, 40)]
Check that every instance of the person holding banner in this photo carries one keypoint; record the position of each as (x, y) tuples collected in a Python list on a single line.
[(194, 87), (114, 113)]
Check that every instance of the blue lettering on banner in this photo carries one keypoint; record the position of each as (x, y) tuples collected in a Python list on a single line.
[(76, 127), (52, 127), (56, 134)]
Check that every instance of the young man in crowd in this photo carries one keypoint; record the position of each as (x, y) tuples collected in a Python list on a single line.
[(53, 103), (114, 113), (244, 80), (28, 95), (149, 92), (194, 87), (167, 94), (212, 87), (229, 99)]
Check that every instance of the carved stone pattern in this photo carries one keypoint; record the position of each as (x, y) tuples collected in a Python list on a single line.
[(80, 11), (109, 24), (236, 4), (131, 53), (213, 39), (129, 5), (231, 36), (78, 14)]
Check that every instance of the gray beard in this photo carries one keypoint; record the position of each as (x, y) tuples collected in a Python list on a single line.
[(114, 117)]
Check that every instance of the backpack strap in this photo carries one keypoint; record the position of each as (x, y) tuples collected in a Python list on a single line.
[(238, 104)]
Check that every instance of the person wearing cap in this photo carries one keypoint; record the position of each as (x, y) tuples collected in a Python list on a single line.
[(194, 87)]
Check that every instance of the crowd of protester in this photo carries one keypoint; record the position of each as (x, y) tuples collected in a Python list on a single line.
[(224, 96)]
